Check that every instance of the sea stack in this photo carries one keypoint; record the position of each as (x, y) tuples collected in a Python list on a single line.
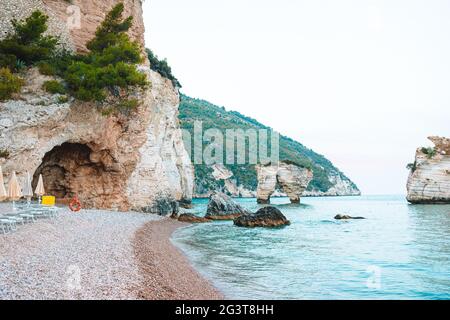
[(290, 177), (429, 179)]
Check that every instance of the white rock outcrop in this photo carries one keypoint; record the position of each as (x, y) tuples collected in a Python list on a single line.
[(429, 179), (291, 178), (136, 161)]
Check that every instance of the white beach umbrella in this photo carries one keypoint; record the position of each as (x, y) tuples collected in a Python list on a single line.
[(14, 191), (40, 191), (3, 194), (27, 188)]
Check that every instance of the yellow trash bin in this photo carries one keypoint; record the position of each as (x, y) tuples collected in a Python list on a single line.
[(48, 201)]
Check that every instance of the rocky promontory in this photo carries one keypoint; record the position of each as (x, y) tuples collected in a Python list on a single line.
[(429, 178), (111, 161)]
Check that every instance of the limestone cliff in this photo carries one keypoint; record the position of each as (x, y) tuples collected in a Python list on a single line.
[(292, 179), (123, 162), (429, 179)]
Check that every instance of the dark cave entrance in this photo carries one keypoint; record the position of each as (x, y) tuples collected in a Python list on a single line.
[(68, 169)]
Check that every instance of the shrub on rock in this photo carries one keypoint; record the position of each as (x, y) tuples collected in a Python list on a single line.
[(9, 84), (54, 86)]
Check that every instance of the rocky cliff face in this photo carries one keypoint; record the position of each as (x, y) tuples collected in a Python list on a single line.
[(292, 179), (119, 162), (341, 187), (429, 180), (74, 21)]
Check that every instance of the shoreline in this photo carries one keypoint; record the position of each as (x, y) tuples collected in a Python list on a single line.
[(166, 267), (100, 255)]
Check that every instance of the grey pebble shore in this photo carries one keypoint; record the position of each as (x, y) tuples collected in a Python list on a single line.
[(86, 255)]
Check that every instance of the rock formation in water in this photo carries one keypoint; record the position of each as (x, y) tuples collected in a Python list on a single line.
[(291, 178), (429, 179), (115, 162), (222, 207), (265, 217), (190, 218), (347, 217)]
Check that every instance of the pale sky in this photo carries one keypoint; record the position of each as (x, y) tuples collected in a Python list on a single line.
[(361, 82)]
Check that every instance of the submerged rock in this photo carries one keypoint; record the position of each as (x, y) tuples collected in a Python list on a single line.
[(429, 179), (190, 218), (222, 207), (346, 217), (265, 217)]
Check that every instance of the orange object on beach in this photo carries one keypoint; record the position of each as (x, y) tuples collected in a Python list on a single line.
[(75, 204)]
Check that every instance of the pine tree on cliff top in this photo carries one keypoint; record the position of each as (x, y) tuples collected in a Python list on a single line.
[(27, 43), (111, 63), (112, 27)]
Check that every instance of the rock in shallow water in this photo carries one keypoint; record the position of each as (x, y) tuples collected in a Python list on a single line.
[(265, 217), (346, 217), (190, 218), (222, 207)]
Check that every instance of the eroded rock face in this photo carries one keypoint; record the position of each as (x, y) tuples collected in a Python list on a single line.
[(292, 179), (122, 162), (429, 179), (268, 217), (222, 207)]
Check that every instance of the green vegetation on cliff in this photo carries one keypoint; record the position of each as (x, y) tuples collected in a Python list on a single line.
[(162, 67), (108, 69), (213, 116)]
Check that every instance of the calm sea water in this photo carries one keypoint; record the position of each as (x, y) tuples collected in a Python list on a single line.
[(400, 251)]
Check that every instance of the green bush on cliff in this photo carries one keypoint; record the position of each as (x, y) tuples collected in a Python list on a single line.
[(46, 68), (4, 153), (430, 152), (54, 86), (162, 67), (110, 66), (27, 44), (9, 84)]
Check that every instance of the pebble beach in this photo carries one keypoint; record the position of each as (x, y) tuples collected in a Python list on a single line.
[(97, 254)]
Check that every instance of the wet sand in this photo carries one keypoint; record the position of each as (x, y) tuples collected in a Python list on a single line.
[(167, 272)]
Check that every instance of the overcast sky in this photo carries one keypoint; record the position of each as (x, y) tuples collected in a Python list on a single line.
[(361, 82)]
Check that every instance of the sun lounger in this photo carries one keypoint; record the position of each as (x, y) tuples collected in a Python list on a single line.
[(15, 217), (7, 224)]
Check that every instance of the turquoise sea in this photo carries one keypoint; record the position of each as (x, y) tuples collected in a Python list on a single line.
[(400, 251)]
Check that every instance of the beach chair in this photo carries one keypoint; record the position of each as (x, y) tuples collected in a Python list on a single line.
[(9, 224), (15, 217), (27, 217), (4, 225)]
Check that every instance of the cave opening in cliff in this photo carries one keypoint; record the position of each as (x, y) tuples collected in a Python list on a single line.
[(73, 169)]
